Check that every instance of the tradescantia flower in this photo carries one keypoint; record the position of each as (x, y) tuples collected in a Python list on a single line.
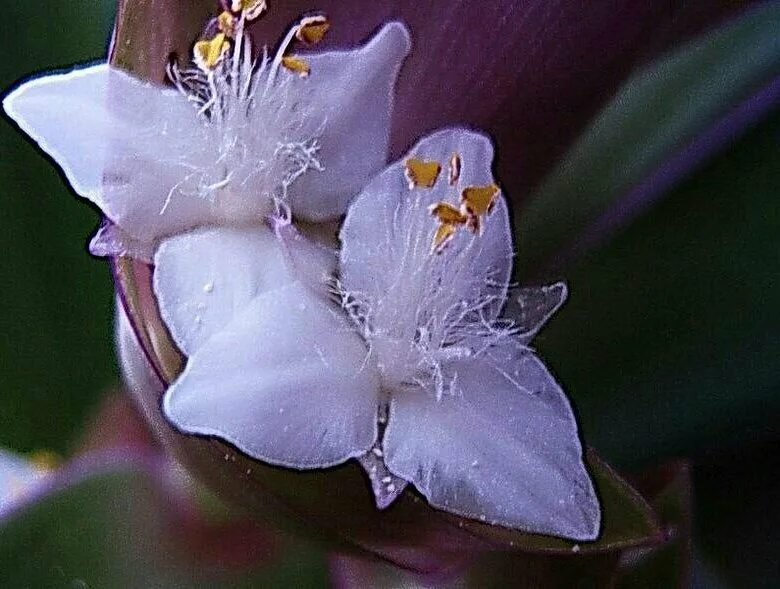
[(234, 139), (412, 370)]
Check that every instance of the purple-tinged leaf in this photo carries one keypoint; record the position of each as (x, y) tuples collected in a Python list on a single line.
[(529, 72), (668, 119)]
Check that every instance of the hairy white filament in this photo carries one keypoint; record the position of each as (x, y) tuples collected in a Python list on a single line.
[(261, 135), (434, 308)]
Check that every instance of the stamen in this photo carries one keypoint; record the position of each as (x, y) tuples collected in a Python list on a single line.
[(279, 58), (227, 23), (422, 173), (448, 213), (251, 9), (455, 167), (208, 54), (45, 460), (296, 65), (312, 29), (478, 201), (444, 234)]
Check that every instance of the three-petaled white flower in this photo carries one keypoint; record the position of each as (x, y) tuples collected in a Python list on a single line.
[(236, 137), (412, 370), (394, 350)]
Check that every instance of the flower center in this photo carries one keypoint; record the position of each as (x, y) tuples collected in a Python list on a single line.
[(436, 304), (235, 94)]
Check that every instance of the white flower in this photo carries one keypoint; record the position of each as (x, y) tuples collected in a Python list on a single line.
[(236, 136), (414, 373)]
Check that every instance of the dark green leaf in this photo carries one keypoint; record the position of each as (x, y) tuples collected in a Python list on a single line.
[(114, 530), (658, 111), (670, 339), (56, 352)]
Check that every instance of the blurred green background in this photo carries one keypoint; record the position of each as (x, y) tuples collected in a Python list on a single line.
[(669, 344), (56, 304)]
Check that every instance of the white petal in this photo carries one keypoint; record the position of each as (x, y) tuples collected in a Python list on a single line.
[(286, 382), (387, 235), (122, 143), (352, 92), (505, 450), (202, 279)]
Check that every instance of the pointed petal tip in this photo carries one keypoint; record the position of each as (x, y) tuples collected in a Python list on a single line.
[(8, 103), (355, 93), (13, 104), (387, 497), (586, 526), (394, 34), (455, 132), (382, 502), (589, 529), (26, 106), (561, 288), (17, 92)]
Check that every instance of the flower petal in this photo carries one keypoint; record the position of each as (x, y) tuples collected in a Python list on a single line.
[(203, 279), (388, 231), (287, 382), (505, 450), (353, 93), (122, 143), (530, 308)]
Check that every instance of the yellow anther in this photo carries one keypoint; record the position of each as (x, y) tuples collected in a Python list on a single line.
[(210, 52), (250, 8), (312, 29), (296, 65), (422, 173), (450, 219), (477, 202), (444, 234), (448, 214), (454, 170), (44, 460), (227, 23)]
